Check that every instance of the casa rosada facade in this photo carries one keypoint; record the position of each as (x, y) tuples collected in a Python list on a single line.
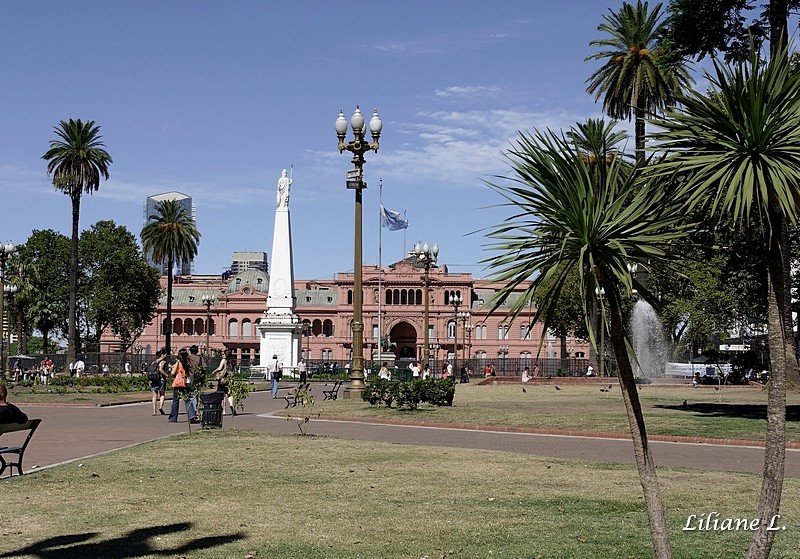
[(393, 295)]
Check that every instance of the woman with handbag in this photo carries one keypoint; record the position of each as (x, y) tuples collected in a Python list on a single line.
[(181, 378), (224, 373)]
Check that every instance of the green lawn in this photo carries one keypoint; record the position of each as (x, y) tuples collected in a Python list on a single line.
[(243, 494), (732, 412)]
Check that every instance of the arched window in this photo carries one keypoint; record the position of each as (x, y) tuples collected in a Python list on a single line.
[(164, 326), (199, 326), (419, 299), (502, 332), (247, 328), (388, 296), (188, 327), (403, 297), (316, 327), (233, 328), (524, 332), (481, 357), (211, 328), (349, 296), (525, 359), (177, 327), (395, 296), (451, 329), (327, 328)]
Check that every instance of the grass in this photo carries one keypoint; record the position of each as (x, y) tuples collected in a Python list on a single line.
[(730, 413), (240, 494)]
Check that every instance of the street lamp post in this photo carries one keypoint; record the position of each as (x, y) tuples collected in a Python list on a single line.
[(468, 329), (137, 349), (455, 300), (6, 251), (600, 292), (463, 316), (207, 301), (426, 256), (9, 290), (503, 356), (355, 181)]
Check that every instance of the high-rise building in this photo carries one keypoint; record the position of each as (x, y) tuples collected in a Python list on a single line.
[(242, 261), (185, 201)]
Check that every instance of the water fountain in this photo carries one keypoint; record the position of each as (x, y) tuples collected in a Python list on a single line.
[(649, 342)]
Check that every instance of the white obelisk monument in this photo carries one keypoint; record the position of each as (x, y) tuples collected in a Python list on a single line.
[(279, 329)]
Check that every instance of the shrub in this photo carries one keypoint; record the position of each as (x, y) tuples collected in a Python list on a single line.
[(409, 394)]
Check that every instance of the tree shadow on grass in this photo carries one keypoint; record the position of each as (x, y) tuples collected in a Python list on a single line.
[(742, 411), (137, 543)]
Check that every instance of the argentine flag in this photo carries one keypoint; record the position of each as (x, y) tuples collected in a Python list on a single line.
[(393, 220)]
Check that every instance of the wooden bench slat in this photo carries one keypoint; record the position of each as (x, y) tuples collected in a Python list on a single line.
[(31, 426)]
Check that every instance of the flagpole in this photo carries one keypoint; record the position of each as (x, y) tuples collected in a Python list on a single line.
[(380, 269), (405, 231)]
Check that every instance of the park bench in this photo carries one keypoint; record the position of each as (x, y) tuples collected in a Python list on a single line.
[(19, 451), (295, 396), (333, 393)]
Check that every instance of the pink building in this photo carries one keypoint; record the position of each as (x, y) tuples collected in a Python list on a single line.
[(395, 294)]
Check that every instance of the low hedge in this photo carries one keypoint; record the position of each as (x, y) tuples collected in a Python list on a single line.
[(410, 394)]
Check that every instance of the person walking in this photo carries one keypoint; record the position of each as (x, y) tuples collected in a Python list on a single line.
[(157, 378), (181, 378), (301, 368), (223, 374), (275, 374)]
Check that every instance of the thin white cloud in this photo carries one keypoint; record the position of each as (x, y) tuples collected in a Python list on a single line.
[(467, 91)]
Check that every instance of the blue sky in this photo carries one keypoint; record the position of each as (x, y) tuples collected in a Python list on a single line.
[(213, 99)]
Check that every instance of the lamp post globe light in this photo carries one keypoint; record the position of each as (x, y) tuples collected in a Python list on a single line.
[(358, 146), (207, 301), (6, 251), (426, 256)]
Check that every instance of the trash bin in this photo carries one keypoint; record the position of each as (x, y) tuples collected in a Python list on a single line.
[(212, 410)]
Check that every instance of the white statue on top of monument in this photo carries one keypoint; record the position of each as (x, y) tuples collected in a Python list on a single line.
[(284, 183)]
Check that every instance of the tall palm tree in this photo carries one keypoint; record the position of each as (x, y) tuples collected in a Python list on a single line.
[(638, 77), (77, 159), (171, 236), (738, 152), (565, 225)]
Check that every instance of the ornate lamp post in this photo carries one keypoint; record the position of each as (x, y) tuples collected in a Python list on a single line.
[(468, 329), (503, 356), (456, 301), (207, 301), (6, 251), (463, 316), (600, 292), (137, 349), (355, 180), (426, 256), (307, 334), (9, 290)]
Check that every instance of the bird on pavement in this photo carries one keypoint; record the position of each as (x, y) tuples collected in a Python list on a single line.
[(604, 390), (557, 387), (523, 389), (610, 386), (685, 404)]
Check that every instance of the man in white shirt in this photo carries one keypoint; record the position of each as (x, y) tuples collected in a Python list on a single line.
[(415, 370), (80, 367)]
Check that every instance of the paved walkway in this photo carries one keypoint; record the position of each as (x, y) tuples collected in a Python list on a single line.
[(71, 433)]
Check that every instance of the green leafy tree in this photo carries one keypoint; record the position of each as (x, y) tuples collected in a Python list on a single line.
[(77, 160), (170, 235), (738, 154), (638, 77), (47, 253), (121, 289), (701, 28), (566, 223)]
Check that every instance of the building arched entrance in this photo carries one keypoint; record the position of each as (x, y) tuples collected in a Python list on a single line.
[(404, 335)]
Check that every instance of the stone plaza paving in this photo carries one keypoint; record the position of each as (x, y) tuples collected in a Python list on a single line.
[(69, 433)]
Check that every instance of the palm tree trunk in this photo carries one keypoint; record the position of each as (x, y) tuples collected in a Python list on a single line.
[(72, 327), (659, 534), (168, 331), (639, 113), (782, 357)]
